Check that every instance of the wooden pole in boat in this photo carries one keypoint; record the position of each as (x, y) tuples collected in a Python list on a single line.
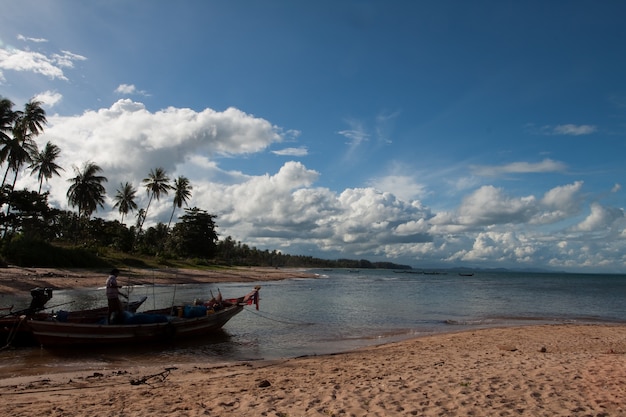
[(173, 298)]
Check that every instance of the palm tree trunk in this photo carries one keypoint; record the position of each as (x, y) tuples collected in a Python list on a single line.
[(145, 213), (12, 188), (6, 173), (17, 170), (171, 217)]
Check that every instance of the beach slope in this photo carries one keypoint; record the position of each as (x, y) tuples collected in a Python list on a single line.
[(547, 370)]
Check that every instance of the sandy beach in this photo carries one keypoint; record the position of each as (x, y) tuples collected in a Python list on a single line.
[(545, 370), (16, 279)]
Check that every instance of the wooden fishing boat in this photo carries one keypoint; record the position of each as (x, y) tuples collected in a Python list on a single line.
[(92, 315), (15, 331), (12, 323), (164, 325)]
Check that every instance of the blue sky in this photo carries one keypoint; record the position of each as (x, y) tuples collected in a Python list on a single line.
[(451, 133)]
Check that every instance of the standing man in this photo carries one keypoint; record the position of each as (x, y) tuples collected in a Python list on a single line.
[(116, 310)]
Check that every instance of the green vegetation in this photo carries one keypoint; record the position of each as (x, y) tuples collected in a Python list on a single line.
[(33, 234), (37, 235)]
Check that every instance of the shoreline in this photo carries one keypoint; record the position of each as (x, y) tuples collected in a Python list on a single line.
[(17, 279), (565, 369)]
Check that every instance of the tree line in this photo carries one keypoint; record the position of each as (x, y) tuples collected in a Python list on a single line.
[(36, 234), (26, 216)]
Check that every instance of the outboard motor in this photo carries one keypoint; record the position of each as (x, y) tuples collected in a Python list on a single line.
[(40, 297)]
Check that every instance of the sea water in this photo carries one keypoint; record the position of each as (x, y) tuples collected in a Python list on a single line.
[(341, 310)]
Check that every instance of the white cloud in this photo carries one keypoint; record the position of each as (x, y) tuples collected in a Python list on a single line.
[(48, 98), (37, 62), (547, 165), (490, 205), (600, 218), (127, 140), (562, 196), (301, 151), (402, 186), (559, 203), (500, 246), (574, 130), (66, 59), (125, 89), (129, 89), (568, 129), (413, 226), (27, 39)]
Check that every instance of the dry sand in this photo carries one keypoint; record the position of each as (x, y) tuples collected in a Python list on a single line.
[(547, 370)]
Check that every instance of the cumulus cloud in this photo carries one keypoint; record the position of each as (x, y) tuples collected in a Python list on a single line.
[(490, 205), (125, 89), (599, 218), (559, 203), (127, 140), (285, 211), (500, 246), (178, 132), (402, 186), (129, 89)]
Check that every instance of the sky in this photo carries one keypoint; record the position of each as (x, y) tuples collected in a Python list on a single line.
[(483, 134)]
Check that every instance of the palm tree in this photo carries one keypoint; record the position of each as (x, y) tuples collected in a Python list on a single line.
[(18, 150), (141, 215), (156, 183), (125, 199), (33, 118), (7, 118), (87, 191), (43, 163), (26, 126), (182, 194)]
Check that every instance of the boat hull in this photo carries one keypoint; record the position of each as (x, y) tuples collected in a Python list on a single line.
[(54, 333), (16, 331)]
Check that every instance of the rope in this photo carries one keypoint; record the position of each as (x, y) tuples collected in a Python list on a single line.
[(13, 333), (159, 377), (280, 319)]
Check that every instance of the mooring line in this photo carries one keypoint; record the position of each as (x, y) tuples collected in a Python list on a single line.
[(280, 319)]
